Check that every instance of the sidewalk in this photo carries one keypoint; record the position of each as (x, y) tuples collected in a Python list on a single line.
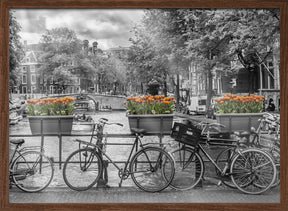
[(207, 194)]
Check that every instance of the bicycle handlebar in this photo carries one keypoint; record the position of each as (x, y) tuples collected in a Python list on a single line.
[(115, 123)]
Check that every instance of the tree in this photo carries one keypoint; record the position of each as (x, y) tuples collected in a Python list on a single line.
[(16, 52), (61, 51), (156, 47), (167, 27), (219, 37)]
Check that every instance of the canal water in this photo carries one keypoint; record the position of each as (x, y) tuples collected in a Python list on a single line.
[(115, 152)]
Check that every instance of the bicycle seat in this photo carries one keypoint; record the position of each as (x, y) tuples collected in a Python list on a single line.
[(137, 130), (17, 141), (241, 133)]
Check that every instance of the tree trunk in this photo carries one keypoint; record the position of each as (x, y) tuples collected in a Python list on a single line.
[(142, 88), (209, 89), (165, 88), (177, 90)]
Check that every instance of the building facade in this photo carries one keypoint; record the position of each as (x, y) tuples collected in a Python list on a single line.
[(29, 74), (264, 80)]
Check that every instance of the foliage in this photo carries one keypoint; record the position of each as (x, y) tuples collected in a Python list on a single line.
[(218, 41), (158, 48), (61, 53), (148, 104), (231, 103), (16, 52), (63, 48), (50, 106)]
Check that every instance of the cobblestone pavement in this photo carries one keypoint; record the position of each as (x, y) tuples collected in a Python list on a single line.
[(207, 194)]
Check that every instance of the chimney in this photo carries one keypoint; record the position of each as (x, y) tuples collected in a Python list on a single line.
[(25, 45), (85, 46), (95, 44)]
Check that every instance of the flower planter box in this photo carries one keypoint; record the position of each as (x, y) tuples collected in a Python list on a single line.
[(51, 124), (158, 123), (238, 121)]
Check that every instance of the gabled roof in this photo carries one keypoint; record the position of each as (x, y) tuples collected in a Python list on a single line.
[(31, 57)]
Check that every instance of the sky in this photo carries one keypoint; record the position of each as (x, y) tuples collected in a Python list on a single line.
[(109, 27)]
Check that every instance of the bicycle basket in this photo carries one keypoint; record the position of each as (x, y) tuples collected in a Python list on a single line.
[(186, 134)]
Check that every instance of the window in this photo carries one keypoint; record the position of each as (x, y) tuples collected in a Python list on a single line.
[(33, 79), (24, 89), (24, 79), (78, 81), (51, 89), (24, 70), (267, 79), (201, 102), (41, 79), (32, 68), (33, 89), (51, 80), (28, 60)]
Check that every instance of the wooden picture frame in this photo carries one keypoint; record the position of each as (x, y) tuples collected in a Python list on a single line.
[(4, 99)]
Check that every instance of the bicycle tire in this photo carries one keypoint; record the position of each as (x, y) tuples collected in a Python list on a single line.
[(32, 171), (146, 169), (189, 168), (224, 157), (274, 151), (82, 169), (245, 171)]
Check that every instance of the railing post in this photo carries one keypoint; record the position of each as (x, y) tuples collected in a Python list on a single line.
[(42, 144), (60, 143), (103, 180)]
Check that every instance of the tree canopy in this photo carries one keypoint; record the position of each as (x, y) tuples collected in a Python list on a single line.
[(16, 52), (219, 41)]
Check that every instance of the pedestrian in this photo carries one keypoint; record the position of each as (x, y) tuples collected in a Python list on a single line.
[(271, 106)]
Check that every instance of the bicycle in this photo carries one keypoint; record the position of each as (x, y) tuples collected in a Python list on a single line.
[(251, 170), (83, 167), (31, 170), (269, 125)]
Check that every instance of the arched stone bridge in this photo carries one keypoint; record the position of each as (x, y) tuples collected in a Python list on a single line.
[(116, 102)]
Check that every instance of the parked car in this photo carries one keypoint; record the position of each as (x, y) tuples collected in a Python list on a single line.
[(198, 104)]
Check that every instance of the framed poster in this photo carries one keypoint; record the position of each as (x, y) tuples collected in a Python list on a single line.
[(112, 49)]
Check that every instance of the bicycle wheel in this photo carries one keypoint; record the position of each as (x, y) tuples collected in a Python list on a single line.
[(223, 159), (189, 169), (253, 171), (275, 153), (146, 169), (32, 171), (82, 169)]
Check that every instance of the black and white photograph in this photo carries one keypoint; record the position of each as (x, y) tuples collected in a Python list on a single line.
[(107, 104)]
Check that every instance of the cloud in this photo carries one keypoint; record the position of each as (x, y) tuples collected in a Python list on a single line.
[(110, 26)]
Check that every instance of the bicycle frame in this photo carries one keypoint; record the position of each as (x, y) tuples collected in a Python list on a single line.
[(97, 148), (211, 159)]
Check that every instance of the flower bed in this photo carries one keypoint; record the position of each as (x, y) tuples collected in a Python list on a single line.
[(148, 104), (50, 106), (239, 104), (238, 112), (50, 115), (152, 113)]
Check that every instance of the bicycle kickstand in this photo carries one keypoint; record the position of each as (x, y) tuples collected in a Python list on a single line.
[(120, 183)]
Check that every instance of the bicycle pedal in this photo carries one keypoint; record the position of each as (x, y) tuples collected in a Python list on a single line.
[(219, 183)]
